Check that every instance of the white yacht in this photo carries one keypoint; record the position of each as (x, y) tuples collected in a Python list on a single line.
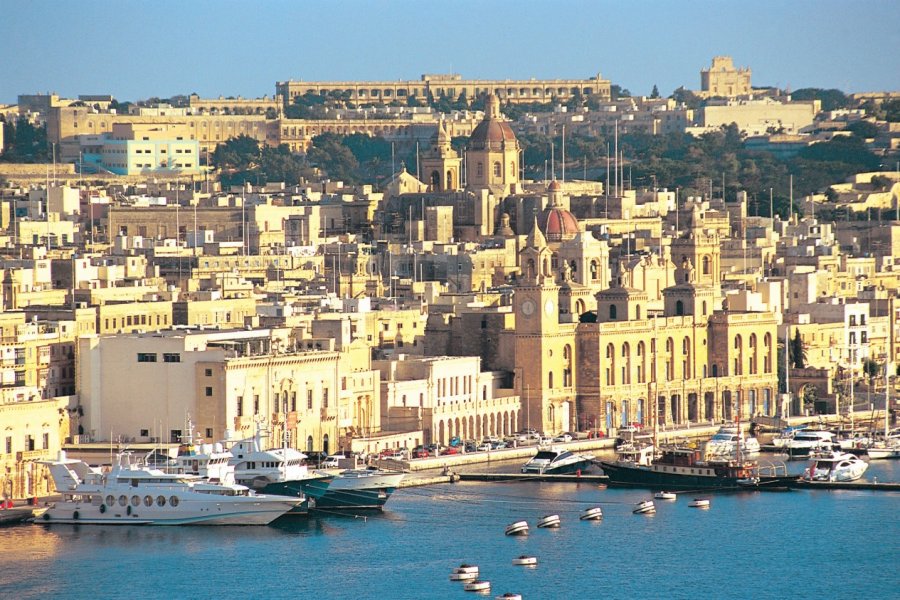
[(724, 444), (553, 461), (359, 488), (209, 461), (809, 441), (836, 466), (281, 471), (133, 494)]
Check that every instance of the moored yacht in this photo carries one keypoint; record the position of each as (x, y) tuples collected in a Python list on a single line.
[(359, 488), (133, 494), (836, 466), (553, 461), (726, 442), (809, 441)]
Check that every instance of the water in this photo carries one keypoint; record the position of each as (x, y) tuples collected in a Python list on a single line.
[(801, 544)]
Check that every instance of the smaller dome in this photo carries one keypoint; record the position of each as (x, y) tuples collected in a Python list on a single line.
[(558, 224), (554, 186)]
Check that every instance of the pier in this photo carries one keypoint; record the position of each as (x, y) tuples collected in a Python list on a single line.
[(865, 486)]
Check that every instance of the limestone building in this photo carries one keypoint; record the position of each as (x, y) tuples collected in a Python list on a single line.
[(721, 78)]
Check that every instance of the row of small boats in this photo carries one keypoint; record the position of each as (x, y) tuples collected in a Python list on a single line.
[(594, 513), (469, 575)]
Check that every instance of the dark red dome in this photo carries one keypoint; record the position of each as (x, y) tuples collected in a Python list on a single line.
[(557, 224)]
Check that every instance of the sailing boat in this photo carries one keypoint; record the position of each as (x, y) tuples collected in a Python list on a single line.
[(890, 446)]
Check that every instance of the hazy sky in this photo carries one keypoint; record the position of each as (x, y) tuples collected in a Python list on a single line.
[(135, 50)]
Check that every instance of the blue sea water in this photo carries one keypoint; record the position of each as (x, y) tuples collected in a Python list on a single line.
[(801, 544)]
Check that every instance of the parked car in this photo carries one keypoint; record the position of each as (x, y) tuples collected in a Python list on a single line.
[(484, 447), (401, 454), (332, 462), (470, 446), (545, 441), (563, 437), (420, 452), (595, 434), (498, 445), (451, 450)]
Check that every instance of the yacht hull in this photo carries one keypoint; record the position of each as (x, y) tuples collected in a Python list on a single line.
[(222, 514), (565, 469), (360, 492)]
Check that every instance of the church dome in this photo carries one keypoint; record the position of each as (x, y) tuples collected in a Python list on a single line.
[(554, 186), (493, 131), (558, 224)]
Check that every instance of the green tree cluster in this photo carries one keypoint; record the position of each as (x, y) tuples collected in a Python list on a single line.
[(831, 99), (241, 160), (25, 143)]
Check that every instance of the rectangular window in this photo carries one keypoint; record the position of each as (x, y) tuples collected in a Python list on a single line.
[(208, 372), (146, 357), (145, 432), (325, 398), (208, 433), (255, 404), (208, 391), (171, 357), (175, 436), (294, 401), (240, 406), (46, 441), (9, 444), (309, 399)]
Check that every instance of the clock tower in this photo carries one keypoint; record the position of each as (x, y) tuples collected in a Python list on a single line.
[(544, 347)]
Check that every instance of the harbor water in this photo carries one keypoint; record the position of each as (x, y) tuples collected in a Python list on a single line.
[(799, 544)]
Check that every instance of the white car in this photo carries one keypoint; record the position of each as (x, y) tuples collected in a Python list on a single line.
[(485, 447), (332, 462), (545, 441), (563, 437)]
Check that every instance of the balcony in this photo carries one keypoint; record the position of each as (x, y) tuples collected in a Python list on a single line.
[(32, 455)]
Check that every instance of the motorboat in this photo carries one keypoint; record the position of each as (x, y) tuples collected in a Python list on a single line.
[(699, 503), (728, 440), (509, 596), (809, 441), (594, 513), (359, 488), (880, 451), (549, 521), (784, 437), (645, 507), (683, 468), (133, 494), (553, 461), (479, 585), (209, 461), (517, 528), (836, 466), (525, 561), (466, 568), (665, 496)]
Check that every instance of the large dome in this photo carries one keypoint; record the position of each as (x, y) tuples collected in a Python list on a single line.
[(558, 224), (493, 131)]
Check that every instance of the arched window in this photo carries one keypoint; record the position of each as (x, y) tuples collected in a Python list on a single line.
[(498, 168), (594, 273), (637, 311), (706, 265), (612, 312), (679, 308), (550, 379)]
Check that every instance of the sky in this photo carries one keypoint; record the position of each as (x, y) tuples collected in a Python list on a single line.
[(135, 50)]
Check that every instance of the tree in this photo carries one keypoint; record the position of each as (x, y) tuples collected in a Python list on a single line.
[(655, 92), (831, 99), (797, 350), (617, 91), (863, 129), (25, 142)]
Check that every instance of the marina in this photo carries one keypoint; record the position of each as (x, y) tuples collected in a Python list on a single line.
[(422, 524)]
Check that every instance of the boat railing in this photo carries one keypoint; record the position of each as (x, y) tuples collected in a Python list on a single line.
[(772, 469)]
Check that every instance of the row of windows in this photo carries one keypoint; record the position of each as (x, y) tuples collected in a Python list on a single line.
[(150, 357), (135, 320), (29, 443)]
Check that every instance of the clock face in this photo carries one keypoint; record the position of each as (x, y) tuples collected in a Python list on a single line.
[(527, 307), (548, 307)]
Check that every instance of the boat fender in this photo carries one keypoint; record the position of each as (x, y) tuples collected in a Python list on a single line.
[(128, 511), (75, 515), (46, 516), (102, 508)]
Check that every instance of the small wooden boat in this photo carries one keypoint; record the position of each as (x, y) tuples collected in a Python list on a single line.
[(479, 585), (517, 528), (525, 561), (699, 503), (665, 496), (549, 521), (645, 507), (592, 514)]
